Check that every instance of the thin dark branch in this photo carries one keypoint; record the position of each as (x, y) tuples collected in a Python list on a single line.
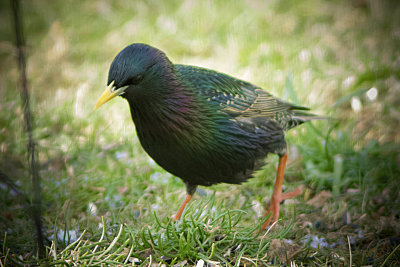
[(12, 186), (36, 205)]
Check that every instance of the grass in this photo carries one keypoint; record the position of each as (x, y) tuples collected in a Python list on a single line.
[(100, 186)]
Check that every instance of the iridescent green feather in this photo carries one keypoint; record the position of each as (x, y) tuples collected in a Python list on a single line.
[(201, 125), (241, 99)]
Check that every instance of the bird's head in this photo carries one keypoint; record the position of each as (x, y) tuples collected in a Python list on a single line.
[(132, 70)]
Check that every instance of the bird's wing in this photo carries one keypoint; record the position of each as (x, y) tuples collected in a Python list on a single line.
[(241, 99)]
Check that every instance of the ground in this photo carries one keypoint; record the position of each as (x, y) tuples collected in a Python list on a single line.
[(106, 202)]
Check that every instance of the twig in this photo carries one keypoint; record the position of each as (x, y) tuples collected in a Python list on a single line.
[(36, 206), (351, 257), (12, 186)]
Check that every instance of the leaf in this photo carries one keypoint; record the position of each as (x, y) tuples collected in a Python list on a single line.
[(289, 92), (283, 249), (320, 199)]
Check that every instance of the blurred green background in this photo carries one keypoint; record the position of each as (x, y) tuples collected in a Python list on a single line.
[(340, 58)]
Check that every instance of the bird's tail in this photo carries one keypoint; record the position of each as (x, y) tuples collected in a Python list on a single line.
[(300, 115)]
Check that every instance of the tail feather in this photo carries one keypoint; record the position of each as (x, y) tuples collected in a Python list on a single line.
[(300, 116)]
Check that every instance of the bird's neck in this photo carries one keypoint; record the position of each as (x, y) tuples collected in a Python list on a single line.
[(169, 111)]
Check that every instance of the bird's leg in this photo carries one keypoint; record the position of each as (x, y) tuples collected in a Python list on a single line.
[(277, 195), (182, 208), (190, 189)]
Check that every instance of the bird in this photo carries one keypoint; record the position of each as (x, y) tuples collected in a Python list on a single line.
[(201, 125)]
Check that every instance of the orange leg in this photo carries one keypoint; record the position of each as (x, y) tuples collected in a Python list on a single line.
[(277, 195), (182, 208)]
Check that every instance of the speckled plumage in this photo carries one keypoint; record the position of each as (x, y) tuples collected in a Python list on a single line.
[(201, 125)]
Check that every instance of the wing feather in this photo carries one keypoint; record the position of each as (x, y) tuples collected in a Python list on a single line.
[(240, 99)]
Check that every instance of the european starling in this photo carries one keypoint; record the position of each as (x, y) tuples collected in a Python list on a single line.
[(202, 126)]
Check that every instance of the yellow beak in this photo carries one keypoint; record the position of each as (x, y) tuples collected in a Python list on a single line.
[(108, 94)]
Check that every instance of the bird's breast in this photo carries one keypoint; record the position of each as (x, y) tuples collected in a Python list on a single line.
[(162, 126)]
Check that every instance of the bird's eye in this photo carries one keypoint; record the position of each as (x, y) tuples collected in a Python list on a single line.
[(135, 80)]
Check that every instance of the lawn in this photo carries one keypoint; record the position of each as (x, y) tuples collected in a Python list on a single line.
[(105, 202)]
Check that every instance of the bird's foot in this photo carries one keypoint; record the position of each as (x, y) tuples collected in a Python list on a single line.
[(276, 199)]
